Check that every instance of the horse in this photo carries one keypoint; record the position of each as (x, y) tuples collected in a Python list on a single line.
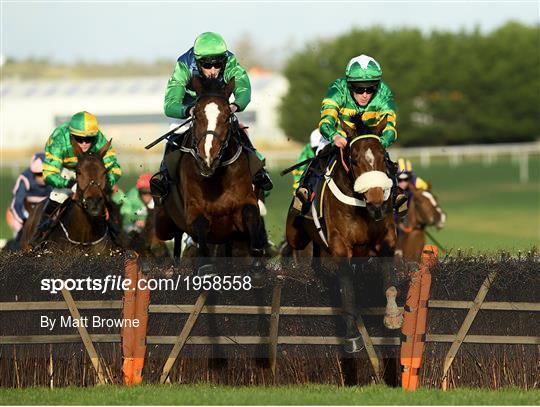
[(424, 210), (82, 221), (212, 198), (358, 216)]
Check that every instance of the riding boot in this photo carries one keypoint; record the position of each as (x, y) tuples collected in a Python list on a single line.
[(45, 223), (399, 200), (261, 178), (308, 182), (114, 223), (160, 181)]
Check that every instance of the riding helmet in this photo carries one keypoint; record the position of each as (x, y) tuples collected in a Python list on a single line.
[(363, 68), (209, 44), (83, 124)]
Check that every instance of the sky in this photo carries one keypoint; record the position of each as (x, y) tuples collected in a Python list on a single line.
[(111, 32)]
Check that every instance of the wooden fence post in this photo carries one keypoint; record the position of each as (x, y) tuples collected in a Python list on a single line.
[(94, 358), (467, 322), (274, 325)]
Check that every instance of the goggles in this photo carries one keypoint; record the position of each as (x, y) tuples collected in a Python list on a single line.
[(363, 89), (82, 140)]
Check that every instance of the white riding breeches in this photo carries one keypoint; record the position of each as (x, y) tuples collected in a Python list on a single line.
[(322, 144)]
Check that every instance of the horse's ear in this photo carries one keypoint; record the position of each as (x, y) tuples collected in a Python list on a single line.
[(196, 84), (381, 126), (229, 88), (429, 185), (76, 148), (346, 128), (103, 150)]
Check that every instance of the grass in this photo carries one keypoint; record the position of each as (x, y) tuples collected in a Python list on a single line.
[(207, 394), (488, 208)]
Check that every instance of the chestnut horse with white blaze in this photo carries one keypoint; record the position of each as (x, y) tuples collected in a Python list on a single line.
[(358, 216)]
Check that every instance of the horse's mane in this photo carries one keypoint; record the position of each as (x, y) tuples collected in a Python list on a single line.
[(212, 85), (360, 126)]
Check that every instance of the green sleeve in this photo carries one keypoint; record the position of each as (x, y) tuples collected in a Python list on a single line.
[(114, 171), (54, 156), (175, 92), (242, 86), (307, 152), (333, 100), (388, 107)]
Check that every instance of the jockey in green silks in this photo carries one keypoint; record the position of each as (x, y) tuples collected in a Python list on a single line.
[(209, 58), (361, 91), (60, 162)]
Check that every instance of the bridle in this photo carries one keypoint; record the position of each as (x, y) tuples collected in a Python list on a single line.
[(80, 199), (218, 162), (349, 169)]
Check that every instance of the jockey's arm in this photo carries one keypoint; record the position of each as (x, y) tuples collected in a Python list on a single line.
[(114, 171), (419, 183), (329, 125), (388, 109), (242, 85), (19, 196), (54, 156), (175, 92)]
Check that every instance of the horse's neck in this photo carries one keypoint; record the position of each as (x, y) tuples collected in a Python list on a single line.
[(80, 226)]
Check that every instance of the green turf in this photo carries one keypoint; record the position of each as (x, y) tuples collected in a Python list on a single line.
[(206, 394), (488, 208)]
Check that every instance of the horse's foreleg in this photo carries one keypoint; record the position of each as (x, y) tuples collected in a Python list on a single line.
[(393, 317), (201, 226), (251, 220), (348, 305)]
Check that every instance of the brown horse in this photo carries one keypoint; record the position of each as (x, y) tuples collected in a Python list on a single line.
[(358, 216), (82, 223), (424, 211), (212, 198)]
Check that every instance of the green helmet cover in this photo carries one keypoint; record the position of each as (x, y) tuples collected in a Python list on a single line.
[(209, 44), (363, 68)]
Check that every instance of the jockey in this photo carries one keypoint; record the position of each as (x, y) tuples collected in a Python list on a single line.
[(136, 204), (30, 187), (60, 162), (307, 152), (361, 91), (406, 177), (208, 58)]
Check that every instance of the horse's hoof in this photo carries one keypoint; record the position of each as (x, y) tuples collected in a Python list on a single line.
[(353, 345), (393, 321), (206, 270), (258, 278)]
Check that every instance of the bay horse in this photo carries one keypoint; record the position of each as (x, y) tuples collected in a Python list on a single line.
[(82, 222), (358, 217), (212, 198), (424, 211)]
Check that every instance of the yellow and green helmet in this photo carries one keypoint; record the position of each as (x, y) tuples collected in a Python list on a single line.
[(83, 124), (363, 68)]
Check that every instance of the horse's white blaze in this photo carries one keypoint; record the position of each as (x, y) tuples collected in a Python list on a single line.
[(372, 179), (211, 110), (430, 197), (370, 158), (208, 146)]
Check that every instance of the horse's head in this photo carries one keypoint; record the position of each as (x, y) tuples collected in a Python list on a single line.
[(366, 166), (91, 179), (427, 210), (211, 121)]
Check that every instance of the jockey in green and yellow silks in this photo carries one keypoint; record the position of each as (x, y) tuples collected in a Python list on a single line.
[(210, 58), (60, 162), (360, 91)]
